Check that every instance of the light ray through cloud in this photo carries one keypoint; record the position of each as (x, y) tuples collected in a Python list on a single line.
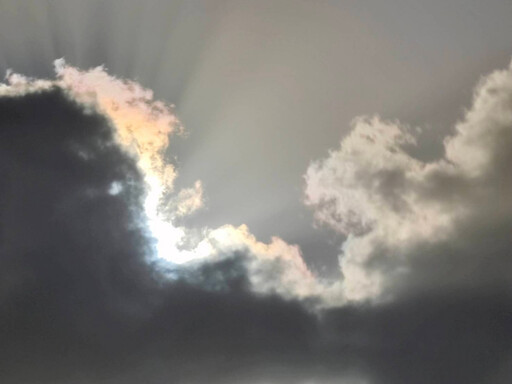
[(143, 127)]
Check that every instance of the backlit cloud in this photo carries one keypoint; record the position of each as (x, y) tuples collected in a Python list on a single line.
[(83, 300), (143, 127), (399, 212)]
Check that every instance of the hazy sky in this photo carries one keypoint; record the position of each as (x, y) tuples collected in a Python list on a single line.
[(343, 185)]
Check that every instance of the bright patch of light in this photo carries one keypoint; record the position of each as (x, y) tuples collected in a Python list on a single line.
[(169, 238)]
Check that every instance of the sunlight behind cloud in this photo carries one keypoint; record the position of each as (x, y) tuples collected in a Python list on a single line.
[(143, 127)]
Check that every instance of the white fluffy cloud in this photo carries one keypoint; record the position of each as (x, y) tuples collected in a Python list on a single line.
[(392, 206)]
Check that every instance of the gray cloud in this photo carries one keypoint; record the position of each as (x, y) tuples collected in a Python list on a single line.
[(83, 302), (80, 299), (432, 224)]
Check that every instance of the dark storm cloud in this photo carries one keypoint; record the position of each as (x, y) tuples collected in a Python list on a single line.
[(457, 337), (70, 250), (79, 301)]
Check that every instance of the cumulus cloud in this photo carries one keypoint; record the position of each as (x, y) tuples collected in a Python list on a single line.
[(142, 127), (82, 300), (405, 218), (276, 267)]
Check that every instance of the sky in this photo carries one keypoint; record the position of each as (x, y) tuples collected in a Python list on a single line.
[(255, 192)]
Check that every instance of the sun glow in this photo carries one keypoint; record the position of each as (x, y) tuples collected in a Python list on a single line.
[(143, 127), (169, 238)]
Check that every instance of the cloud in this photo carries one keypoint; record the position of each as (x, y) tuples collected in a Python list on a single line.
[(276, 267), (452, 216), (186, 202), (142, 124), (83, 300), (432, 338), (142, 127)]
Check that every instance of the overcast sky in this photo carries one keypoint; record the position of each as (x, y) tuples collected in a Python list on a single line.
[(342, 187)]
